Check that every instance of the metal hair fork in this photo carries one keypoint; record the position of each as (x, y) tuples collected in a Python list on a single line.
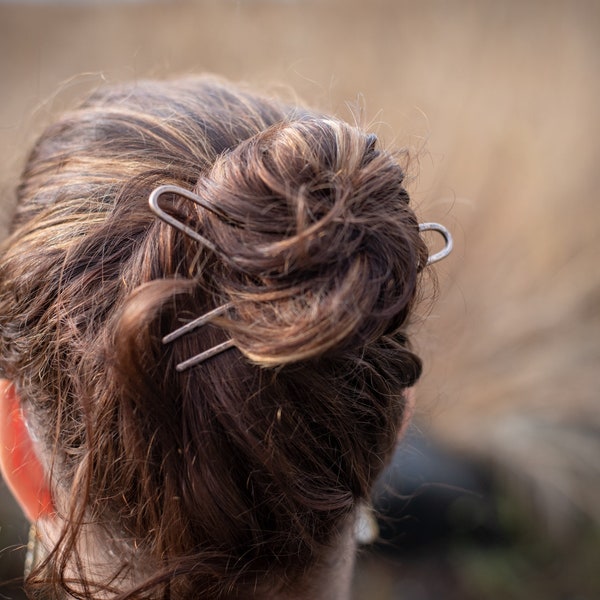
[(154, 201)]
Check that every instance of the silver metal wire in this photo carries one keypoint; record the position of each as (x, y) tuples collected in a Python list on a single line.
[(449, 244)]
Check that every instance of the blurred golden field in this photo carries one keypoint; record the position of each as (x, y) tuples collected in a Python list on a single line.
[(499, 102)]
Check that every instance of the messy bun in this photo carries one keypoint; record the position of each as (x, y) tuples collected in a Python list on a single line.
[(325, 254), (233, 478)]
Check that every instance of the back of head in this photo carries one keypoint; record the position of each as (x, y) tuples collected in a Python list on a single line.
[(238, 476)]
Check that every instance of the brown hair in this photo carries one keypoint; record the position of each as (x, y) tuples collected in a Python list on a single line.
[(237, 475)]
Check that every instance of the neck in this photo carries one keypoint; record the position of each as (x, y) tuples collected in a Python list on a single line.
[(334, 578)]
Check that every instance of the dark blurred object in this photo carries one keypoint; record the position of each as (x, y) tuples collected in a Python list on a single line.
[(429, 497), (450, 528)]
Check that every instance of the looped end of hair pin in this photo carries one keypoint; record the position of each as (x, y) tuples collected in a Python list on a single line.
[(165, 217), (449, 244)]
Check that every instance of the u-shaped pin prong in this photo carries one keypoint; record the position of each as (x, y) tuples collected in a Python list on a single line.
[(433, 258), (164, 216)]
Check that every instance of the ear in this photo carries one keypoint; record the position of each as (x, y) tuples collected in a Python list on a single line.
[(19, 463)]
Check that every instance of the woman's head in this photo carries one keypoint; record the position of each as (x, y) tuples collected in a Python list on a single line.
[(243, 472)]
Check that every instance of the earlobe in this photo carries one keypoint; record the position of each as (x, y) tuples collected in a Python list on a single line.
[(19, 463)]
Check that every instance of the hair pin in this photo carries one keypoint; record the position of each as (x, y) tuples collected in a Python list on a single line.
[(449, 244), (154, 202)]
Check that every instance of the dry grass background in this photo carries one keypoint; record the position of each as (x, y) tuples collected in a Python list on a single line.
[(499, 101)]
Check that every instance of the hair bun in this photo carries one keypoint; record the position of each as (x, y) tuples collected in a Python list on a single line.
[(324, 247)]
